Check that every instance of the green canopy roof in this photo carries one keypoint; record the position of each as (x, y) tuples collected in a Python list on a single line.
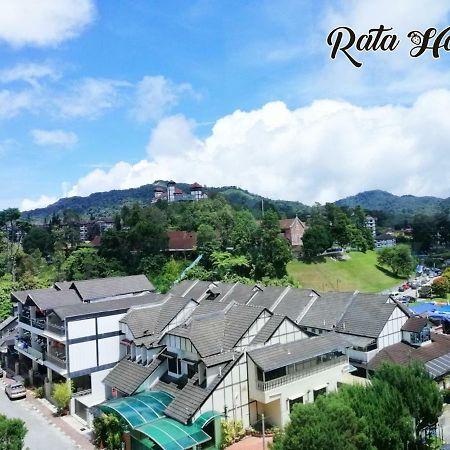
[(140, 408), (172, 435), (203, 419)]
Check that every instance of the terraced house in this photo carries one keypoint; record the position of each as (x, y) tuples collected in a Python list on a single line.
[(172, 365)]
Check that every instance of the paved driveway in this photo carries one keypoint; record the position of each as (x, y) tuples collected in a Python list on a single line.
[(41, 434)]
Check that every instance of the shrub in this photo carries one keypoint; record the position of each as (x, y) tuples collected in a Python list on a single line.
[(108, 430), (39, 392), (231, 430), (62, 393), (12, 433)]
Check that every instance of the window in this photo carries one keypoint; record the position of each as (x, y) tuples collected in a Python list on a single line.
[(319, 392), (295, 401), (175, 366)]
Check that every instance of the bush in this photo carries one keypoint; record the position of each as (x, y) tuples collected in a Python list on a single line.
[(108, 430), (39, 392), (62, 393), (12, 433)]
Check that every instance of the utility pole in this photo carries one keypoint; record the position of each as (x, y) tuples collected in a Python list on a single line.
[(263, 431)]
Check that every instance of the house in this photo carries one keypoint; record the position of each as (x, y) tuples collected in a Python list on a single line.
[(371, 224), (89, 230), (385, 241), (181, 241), (71, 331), (293, 230), (210, 352), (7, 333), (171, 193), (419, 343)]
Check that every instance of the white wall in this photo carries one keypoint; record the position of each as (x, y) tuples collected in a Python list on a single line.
[(108, 350), (391, 333), (287, 332), (82, 356), (254, 329), (108, 324), (81, 328)]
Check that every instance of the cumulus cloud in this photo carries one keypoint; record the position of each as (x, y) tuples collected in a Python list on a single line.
[(321, 152), (58, 138), (43, 201), (13, 103), (44, 22), (155, 95)]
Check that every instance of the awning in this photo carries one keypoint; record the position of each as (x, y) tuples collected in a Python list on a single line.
[(439, 366), (140, 408), (203, 419), (172, 435)]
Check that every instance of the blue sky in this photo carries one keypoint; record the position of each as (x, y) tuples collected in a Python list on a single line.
[(96, 95)]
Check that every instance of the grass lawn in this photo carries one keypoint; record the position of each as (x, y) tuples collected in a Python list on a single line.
[(357, 273)]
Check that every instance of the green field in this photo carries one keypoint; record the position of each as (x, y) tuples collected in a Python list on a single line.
[(357, 273)]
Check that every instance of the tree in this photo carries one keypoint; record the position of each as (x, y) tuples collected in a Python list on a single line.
[(418, 392), (12, 433), (62, 393), (398, 259), (108, 431), (38, 238), (226, 264), (327, 423), (205, 235), (440, 286), (316, 240)]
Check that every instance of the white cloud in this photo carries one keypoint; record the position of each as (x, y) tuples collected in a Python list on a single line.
[(43, 201), (89, 98), (44, 22), (59, 138), (155, 95), (28, 72), (321, 152), (14, 102)]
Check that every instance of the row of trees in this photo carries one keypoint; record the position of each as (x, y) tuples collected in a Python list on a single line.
[(331, 224), (393, 412)]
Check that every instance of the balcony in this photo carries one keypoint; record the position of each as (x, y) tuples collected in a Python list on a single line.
[(289, 378), (58, 329), (36, 323), (22, 347), (57, 360)]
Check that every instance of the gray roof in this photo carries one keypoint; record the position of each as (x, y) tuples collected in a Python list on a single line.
[(218, 331), (22, 296), (327, 310), (180, 288), (294, 302), (267, 330), (63, 285), (152, 319), (8, 321), (45, 300), (267, 297), (241, 293), (220, 358), (127, 376), (111, 287), (197, 290), (280, 355), (359, 341), (439, 366), (415, 324), (119, 304), (366, 315), (189, 400)]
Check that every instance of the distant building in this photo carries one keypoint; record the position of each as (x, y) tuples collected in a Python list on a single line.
[(88, 230), (293, 230), (173, 194), (385, 241), (182, 241), (371, 224)]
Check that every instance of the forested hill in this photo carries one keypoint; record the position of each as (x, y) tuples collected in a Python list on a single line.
[(105, 204), (378, 200)]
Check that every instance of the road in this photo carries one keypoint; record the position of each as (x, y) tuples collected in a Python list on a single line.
[(41, 435)]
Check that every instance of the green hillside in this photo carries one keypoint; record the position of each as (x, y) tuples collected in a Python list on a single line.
[(358, 273)]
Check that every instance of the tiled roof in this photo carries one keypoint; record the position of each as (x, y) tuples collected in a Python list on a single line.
[(294, 303), (267, 297), (402, 353), (327, 310), (182, 240), (152, 319), (366, 315), (119, 304), (280, 355), (111, 287), (51, 299), (127, 376), (22, 296), (189, 400), (415, 324), (267, 330), (220, 358)]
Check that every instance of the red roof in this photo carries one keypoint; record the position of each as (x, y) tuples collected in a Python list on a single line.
[(182, 240), (196, 185), (159, 189), (178, 191)]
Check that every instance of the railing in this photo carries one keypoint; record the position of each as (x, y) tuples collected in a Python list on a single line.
[(56, 360), (81, 393), (37, 323), (30, 350), (55, 328), (286, 379)]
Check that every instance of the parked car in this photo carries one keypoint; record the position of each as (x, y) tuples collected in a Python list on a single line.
[(15, 390), (413, 285), (408, 299), (401, 289), (405, 286)]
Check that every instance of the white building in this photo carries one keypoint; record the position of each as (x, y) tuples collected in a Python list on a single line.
[(385, 241), (371, 224)]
